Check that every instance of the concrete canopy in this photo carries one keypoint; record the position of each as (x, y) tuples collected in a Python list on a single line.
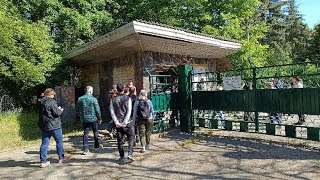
[(139, 36)]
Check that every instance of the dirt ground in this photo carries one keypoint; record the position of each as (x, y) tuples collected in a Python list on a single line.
[(173, 155)]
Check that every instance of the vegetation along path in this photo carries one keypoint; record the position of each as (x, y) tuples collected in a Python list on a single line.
[(174, 155)]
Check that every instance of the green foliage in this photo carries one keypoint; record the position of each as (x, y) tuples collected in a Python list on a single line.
[(314, 49), (26, 52), (71, 23), (20, 128)]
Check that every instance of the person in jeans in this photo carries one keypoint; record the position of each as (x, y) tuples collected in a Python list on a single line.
[(144, 114), (120, 109), (89, 112), (50, 125)]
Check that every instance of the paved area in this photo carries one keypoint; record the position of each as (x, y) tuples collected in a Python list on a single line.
[(174, 155)]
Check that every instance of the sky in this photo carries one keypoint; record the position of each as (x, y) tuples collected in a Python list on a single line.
[(310, 9)]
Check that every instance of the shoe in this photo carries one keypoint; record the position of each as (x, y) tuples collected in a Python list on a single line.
[(100, 147), (85, 152), (64, 160), (130, 159), (147, 147), (143, 150), (122, 160), (44, 164)]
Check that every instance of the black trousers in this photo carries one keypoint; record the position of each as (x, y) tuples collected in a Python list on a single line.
[(129, 132)]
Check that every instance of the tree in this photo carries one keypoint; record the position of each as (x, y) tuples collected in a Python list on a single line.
[(71, 23), (314, 49), (26, 52)]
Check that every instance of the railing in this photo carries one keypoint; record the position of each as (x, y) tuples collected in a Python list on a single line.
[(259, 109)]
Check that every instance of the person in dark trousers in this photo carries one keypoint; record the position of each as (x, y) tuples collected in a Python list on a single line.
[(120, 109), (297, 82), (144, 114), (50, 125), (133, 98), (111, 127), (89, 112)]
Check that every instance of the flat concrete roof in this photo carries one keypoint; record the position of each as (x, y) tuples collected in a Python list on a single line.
[(138, 36)]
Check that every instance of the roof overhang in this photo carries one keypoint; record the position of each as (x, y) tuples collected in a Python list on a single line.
[(139, 37)]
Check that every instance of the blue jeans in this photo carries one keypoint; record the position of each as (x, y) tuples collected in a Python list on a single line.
[(86, 129), (46, 135)]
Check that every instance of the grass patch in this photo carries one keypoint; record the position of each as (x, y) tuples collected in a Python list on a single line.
[(20, 129), (192, 140)]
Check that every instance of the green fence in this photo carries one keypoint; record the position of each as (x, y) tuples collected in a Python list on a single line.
[(259, 103)]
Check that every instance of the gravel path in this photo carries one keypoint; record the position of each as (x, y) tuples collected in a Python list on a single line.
[(174, 155)]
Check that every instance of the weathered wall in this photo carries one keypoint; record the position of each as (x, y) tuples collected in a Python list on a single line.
[(149, 60), (66, 99), (90, 77), (123, 69)]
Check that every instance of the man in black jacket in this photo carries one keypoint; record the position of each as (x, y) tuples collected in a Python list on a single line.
[(120, 109), (50, 125)]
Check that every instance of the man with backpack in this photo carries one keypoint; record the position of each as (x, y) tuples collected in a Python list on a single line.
[(120, 109), (144, 114)]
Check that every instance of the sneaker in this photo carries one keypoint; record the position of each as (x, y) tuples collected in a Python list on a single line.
[(143, 150), (44, 164), (64, 160), (130, 159), (147, 147), (85, 152), (122, 160)]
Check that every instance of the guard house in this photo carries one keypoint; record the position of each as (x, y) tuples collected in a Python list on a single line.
[(128, 51)]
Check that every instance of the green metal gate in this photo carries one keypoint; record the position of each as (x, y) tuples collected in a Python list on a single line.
[(163, 95), (258, 101)]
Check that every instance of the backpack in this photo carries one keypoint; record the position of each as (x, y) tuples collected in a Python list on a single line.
[(143, 110)]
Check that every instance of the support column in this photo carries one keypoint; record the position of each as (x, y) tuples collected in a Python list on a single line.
[(185, 98)]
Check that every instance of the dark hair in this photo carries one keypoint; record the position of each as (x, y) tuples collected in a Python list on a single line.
[(126, 90), (120, 87)]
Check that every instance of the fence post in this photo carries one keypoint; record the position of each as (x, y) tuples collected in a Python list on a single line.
[(254, 87), (185, 95)]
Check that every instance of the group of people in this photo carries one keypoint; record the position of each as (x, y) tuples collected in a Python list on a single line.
[(130, 115), (276, 83)]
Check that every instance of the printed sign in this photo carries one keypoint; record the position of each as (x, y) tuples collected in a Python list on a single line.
[(232, 83)]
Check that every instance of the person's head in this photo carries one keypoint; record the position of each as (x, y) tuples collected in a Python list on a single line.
[(120, 88), (114, 87), (276, 79), (113, 92), (130, 82), (49, 92), (143, 95), (269, 85), (89, 89), (126, 91)]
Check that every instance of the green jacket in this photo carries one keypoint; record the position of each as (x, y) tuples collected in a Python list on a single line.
[(88, 108)]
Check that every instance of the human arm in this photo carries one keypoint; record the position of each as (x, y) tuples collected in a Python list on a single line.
[(113, 116), (55, 110), (97, 110), (152, 116), (127, 117)]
